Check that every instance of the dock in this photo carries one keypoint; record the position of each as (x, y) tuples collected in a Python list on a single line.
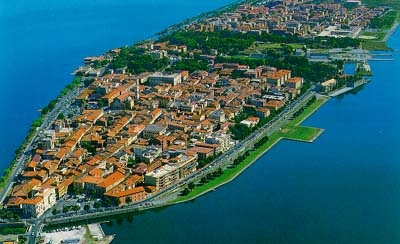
[(341, 91), (348, 88), (382, 59)]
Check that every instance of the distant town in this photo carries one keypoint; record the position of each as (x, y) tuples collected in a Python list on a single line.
[(149, 116)]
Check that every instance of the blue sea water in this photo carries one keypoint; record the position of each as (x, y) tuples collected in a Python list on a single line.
[(343, 188), (42, 42)]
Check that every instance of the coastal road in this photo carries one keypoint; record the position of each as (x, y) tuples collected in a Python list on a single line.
[(62, 104)]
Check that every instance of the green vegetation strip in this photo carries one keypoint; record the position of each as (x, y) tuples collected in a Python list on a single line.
[(307, 111), (374, 45), (299, 133), (294, 132)]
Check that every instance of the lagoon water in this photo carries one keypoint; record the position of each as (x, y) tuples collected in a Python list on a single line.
[(343, 188)]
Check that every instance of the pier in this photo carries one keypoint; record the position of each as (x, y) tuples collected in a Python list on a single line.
[(382, 59), (348, 88)]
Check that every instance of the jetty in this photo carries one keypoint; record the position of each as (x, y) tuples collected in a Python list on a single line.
[(349, 87), (382, 59)]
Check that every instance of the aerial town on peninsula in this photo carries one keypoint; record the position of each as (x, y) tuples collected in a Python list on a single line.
[(150, 115)]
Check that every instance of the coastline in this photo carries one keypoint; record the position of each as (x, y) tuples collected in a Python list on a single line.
[(229, 173), (276, 137), (391, 31)]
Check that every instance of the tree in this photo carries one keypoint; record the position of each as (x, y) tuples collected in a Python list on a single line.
[(86, 207), (61, 116), (128, 199), (191, 185), (66, 209), (203, 180), (97, 205), (54, 211), (185, 191)]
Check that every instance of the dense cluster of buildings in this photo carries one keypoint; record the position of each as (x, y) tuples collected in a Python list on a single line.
[(288, 17), (139, 134)]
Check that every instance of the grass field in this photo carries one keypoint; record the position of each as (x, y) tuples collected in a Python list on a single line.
[(378, 35), (374, 45), (291, 131), (267, 46), (299, 133)]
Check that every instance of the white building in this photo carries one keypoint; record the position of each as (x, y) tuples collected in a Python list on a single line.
[(44, 199), (162, 177), (157, 78)]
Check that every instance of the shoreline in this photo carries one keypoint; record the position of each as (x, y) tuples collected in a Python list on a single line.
[(264, 151), (274, 138), (391, 31)]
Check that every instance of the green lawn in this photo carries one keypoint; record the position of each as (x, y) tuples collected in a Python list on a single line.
[(291, 131), (266, 46), (299, 133), (374, 45), (307, 112), (379, 35)]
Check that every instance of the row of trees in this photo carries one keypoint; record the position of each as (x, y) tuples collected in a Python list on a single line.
[(300, 111), (203, 162), (209, 177), (384, 22), (189, 65), (8, 215)]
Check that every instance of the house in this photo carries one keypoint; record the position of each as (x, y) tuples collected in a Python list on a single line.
[(158, 78), (250, 122), (162, 177), (327, 86), (44, 199), (263, 112), (202, 152), (294, 82), (135, 194), (274, 104), (110, 182), (279, 77), (153, 130)]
